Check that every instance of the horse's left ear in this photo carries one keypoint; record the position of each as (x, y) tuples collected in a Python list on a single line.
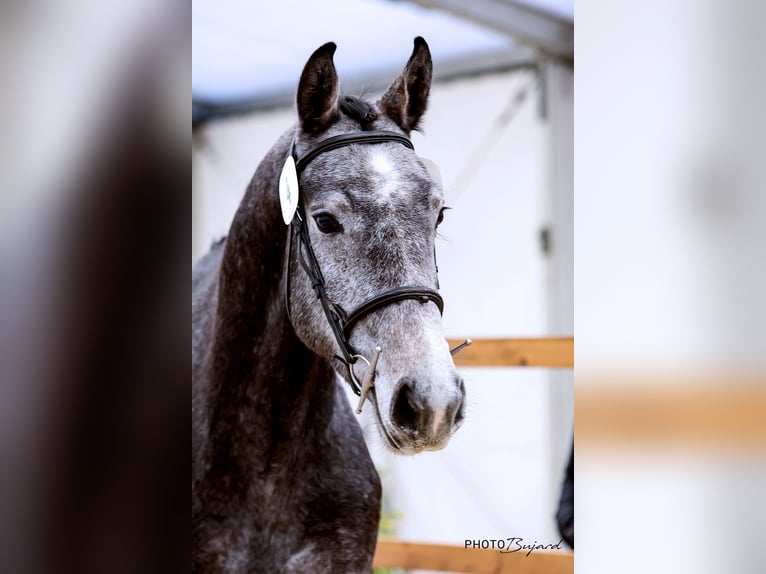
[(406, 98)]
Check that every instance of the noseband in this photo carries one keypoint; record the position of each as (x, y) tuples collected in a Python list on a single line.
[(340, 321)]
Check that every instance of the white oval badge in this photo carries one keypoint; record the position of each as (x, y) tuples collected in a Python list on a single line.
[(288, 190)]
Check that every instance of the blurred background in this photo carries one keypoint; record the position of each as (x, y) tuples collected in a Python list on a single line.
[(670, 354), (500, 126)]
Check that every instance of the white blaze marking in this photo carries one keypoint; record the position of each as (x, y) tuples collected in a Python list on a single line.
[(383, 165)]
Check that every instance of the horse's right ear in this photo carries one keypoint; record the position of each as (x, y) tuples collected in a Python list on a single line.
[(318, 90)]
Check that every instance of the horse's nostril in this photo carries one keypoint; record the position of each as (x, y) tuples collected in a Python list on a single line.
[(460, 414), (406, 413)]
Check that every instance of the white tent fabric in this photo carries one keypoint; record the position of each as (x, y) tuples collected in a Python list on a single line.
[(245, 50)]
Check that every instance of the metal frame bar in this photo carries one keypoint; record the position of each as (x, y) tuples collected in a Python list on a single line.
[(547, 32)]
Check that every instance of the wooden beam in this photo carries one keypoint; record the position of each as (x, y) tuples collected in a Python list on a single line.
[(671, 411), (446, 558), (557, 352)]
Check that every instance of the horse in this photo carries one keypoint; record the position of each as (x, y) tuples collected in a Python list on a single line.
[(326, 277)]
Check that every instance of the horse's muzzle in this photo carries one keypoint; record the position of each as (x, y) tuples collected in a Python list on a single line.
[(424, 417)]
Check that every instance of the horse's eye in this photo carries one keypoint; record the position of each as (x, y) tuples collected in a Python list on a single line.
[(327, 223), (440, 218)]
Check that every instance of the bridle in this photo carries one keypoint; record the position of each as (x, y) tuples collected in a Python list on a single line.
[(342, 322)]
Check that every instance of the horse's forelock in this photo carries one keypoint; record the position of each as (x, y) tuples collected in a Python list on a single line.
[(359, 110)]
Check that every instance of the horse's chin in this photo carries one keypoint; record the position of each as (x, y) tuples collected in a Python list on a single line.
[(406, 449)]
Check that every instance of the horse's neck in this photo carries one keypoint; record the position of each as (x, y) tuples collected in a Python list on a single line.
[(260, 372)]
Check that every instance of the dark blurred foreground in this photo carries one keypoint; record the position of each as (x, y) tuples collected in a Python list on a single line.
[(93, 290)]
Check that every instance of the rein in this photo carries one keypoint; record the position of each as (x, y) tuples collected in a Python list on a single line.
[(340, 321)]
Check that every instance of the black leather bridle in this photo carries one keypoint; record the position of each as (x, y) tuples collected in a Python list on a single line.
[(340, 321)]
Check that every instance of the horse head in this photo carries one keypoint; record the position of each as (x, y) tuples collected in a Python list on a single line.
[(365, 224)]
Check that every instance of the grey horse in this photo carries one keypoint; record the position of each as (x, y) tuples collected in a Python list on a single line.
[(282, 480)]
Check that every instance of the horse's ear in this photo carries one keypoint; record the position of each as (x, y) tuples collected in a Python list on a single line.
[(406, 98), (318, 90)]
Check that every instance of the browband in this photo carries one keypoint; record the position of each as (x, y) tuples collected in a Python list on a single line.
[(347, 139)]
